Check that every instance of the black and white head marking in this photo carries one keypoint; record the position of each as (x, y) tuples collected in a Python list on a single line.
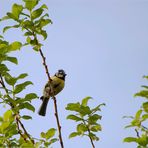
[(60, 74)]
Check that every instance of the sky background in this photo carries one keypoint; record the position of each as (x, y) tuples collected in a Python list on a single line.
[(102, 45)]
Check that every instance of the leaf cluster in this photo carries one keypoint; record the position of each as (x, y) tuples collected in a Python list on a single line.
[(139, 121), (86, 119), (30, 19), (48, 137)]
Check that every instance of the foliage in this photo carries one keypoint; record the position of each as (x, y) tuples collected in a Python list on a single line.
[(86, 119), (139, 121), (32, 21), (31, 18), (47, 138)]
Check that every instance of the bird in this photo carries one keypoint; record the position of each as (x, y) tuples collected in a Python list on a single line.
[(57, 83)]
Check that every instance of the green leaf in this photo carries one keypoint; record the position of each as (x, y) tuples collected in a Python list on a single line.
[(50, 133), (9, 27), (16, 10), (7, 115), (21, 87), (6, 28), (74, 134), (146, 77), (10, 80), (144, 117), (85, 110), (143, 93), (73, 117), (44, 6), (27, 145), (28, 33), (144, 86), (44, 34), (12, 59), (27, 24), (28, 40), (85, 101), (15, 46), (26, 117), (22, 76), (44, 22), (30, 4), (97, 108), (37, 144), (27, 106), (11, 130), (1, 37), (30, 97), (130, 139), (73, 107), (145, 107), (93, 136), (3, 68), (3, 48), (5, 18), (43, 135), (53, 141), (81, 128), (36, 13), (143, 140), (96, 128), (12, 16), (4, 126), (10, 100), (37, 47), (34, 42), (138, 114), (94, 118)]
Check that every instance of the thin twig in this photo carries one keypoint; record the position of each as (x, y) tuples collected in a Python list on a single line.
[(25, 131), (2, 81), (45, 65), (6, 90), (19, 131), (58, 122), (54, 98), (137, 133), (91, 140)]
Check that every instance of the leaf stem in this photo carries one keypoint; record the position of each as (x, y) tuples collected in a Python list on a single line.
[(25, 131), (19, 131), (91, 140)]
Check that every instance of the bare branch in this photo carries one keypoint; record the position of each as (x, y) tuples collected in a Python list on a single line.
[(54, 98), (58, 122)]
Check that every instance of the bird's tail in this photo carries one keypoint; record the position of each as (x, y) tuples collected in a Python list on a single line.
[(42, 110)]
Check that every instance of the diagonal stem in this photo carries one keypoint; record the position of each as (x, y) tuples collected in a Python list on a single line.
[(25, 131), (58, 122), (91, 140), (54, 98)]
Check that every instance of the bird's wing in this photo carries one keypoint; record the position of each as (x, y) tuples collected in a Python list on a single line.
[(56, 82)]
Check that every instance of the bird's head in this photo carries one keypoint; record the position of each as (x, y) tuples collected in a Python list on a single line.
[(60, 74)]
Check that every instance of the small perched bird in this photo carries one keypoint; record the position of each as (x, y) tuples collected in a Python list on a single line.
[(57, 83)]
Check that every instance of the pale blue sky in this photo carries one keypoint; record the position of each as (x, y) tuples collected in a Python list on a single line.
[(102, 45)]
